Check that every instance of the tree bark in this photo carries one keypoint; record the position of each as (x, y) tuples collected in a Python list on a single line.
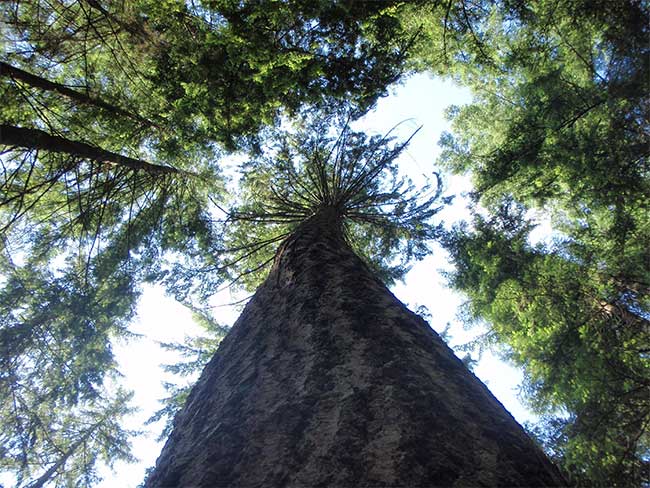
[(326, 379), (79, 97), (38, 139)]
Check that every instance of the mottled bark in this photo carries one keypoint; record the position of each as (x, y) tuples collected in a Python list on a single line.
[(327, 379)]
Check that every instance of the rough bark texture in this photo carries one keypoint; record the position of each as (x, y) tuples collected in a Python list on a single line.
[(327, 379)]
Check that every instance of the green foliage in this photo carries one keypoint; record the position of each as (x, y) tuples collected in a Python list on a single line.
[(228, 68), (62, 446), (580, 329), (59, 416), (566, 107), (451, 36), (195, 353), (72, 263), (558, 128)]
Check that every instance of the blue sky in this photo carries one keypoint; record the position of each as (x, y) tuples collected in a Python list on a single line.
[(418, 101)]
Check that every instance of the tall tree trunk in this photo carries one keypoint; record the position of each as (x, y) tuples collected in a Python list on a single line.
[(82, 98), (38, 139), (326, 379)]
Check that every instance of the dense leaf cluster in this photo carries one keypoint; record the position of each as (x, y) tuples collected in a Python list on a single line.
[(581, 334), (558, 131)]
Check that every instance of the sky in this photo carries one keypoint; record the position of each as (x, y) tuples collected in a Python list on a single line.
[(418, 101)]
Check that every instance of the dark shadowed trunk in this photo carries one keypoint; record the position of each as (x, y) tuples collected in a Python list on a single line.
[(326, 379), (37, 139), (80, 97)]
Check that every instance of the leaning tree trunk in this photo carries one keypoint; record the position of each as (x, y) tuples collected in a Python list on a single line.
[(36, 139), (326, 379)]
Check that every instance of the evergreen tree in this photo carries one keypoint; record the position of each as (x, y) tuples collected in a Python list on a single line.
[(326, 378), (558, 130), (579, 332), (110, 126)]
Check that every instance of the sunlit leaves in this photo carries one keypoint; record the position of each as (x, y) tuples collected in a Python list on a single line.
[(558, 128), (229, 68), (556, 118), (580, 331)]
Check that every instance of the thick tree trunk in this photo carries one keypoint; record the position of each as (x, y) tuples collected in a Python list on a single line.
[(327, 379)]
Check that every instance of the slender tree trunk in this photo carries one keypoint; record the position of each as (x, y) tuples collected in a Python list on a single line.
[(46, 477), (326, 379), (79, 97), (38, 139)]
